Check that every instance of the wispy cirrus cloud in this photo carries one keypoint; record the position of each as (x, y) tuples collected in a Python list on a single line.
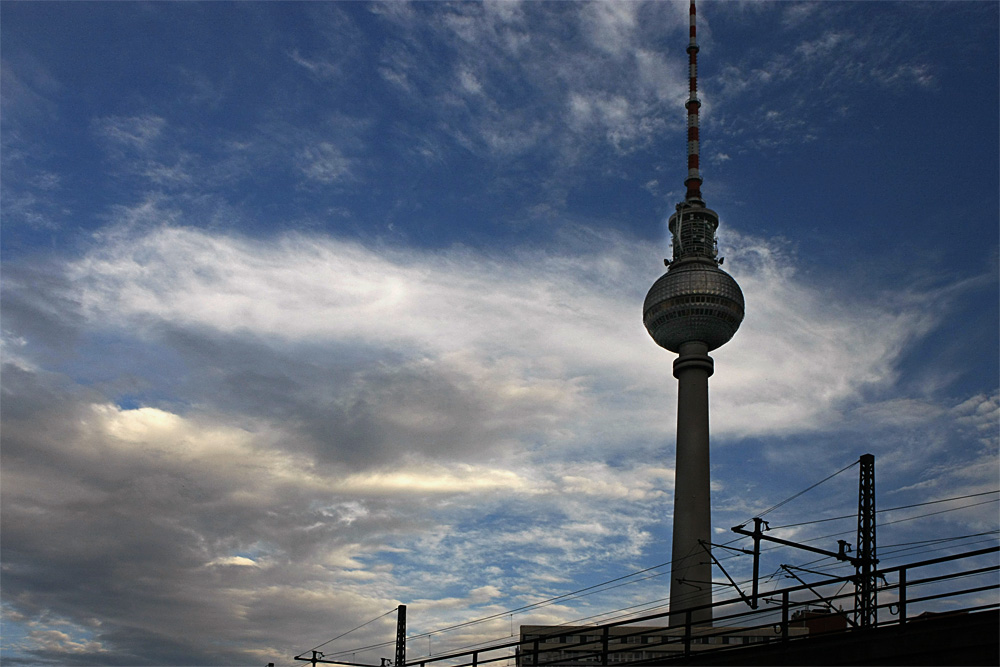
[(137, 133), (837, 60)]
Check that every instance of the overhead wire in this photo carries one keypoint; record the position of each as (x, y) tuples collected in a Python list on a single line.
[(921, 547), (344, 634), (803, 491), (575, 594), (941, 545), (831, 567), (880, 524), (582, 592), (605, 586), (950, 509), (888, 509), (942, 500), (603, 617), (937, 540)]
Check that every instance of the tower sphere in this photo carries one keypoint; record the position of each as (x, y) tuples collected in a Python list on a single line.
[(693, 301)]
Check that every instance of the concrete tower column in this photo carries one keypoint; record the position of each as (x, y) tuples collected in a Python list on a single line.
[(691, 567), (692, 309)]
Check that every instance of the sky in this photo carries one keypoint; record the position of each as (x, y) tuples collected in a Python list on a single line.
[(314, 309)]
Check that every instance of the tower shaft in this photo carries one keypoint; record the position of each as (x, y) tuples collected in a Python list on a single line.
[(691, 567), (692, 309)]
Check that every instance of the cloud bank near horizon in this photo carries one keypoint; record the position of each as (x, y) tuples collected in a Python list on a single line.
[(336, 412)]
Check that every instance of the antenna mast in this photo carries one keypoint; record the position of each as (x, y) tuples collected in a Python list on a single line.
[(693, 180)]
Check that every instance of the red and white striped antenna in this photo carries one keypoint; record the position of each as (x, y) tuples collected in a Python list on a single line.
[(693, 180)]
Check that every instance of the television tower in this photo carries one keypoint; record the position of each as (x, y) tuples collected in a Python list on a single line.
[(692, 309)]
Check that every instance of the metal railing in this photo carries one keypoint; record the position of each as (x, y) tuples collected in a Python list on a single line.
[(734, 625)]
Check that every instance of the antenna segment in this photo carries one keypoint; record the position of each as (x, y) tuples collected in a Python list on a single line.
[(693, 180)]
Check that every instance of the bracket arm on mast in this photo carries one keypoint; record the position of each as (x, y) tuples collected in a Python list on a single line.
[(752, 603)]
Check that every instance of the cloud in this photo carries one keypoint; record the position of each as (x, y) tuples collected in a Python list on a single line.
[(138, 133), (246, 438), (324, 163), (611, 27), (545, 113), (554, 334), (819, 63), (31, 183), (237, 561), (318, 68), (335, 412)]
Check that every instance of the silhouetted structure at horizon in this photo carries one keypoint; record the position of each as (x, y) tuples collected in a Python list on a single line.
[(694, 308)]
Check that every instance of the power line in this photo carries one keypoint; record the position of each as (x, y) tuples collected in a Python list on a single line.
[(950, 509), (888, 509), (938, 540), (605, 586), (841, 564), (793, 497), (942, 500), (887, 523), (583, 592), (914, 551), (344, 634)]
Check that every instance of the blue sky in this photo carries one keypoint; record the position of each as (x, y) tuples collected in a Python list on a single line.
[(313, 309)]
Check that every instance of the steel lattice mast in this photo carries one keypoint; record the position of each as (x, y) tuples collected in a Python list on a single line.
[(865, 588), (694, 308)]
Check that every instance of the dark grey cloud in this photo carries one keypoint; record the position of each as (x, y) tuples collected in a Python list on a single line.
[(40, 308), (108, 524)]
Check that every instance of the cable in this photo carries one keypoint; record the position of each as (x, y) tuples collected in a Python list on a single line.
[(937, 540), (942, 500), (887, 523), (951, 509), (791, 498), (915, 550), (352, 630), (888, 509), (603, 586), (577, 594)]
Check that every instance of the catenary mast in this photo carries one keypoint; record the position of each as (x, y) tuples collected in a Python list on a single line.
[(694, 308)]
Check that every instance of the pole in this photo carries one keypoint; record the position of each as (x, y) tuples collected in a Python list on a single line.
[(757, 521), (400, 636), (865, 591)]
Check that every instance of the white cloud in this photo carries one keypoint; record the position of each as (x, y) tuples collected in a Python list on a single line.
[(820, 47), (533, 328), (317, 67), (56, 641), (134, 132), (236, 561), (324, 162), (498, 386), (611, 26), (433, 479)]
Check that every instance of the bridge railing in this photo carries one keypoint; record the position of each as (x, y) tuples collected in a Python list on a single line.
[(735, 625)]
